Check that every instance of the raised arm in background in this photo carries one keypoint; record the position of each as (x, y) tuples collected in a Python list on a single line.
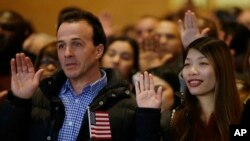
[(189, 29)]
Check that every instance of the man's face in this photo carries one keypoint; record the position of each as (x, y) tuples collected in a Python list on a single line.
[(145, 28), (76, 50), (169, 37), (9, 33)]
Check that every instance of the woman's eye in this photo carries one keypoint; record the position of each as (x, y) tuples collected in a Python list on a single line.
[(204, 63), (126, 56)]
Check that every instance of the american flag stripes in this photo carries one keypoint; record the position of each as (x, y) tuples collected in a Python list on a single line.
[(99, 125)]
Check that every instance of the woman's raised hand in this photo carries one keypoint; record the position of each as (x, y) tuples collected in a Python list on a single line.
[(146, 95)]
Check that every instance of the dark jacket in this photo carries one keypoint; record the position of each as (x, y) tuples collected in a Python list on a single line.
[(152, 125), (47, 112)]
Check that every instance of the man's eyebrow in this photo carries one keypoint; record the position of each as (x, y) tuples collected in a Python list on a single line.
[(75, 39)]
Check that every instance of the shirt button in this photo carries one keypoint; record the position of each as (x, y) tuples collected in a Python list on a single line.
[(127, 92), (56, 108), (49, 82), (48, 138), (70, 123), (101, 103), (113, 95)]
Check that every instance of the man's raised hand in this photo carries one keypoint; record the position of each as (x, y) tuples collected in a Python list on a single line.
[(24, 79)]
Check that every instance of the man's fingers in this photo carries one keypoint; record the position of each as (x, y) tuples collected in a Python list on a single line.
[(159, 90), (30, 65), (146, 80), (159, 93), (38, 75), (13, 66)]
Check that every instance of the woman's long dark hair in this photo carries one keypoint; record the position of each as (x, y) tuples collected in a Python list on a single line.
[(227, 110)]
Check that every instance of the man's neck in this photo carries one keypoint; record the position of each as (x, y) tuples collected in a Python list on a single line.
[(88, 78)]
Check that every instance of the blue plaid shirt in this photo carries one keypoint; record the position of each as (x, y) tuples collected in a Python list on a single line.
[(76, 106)]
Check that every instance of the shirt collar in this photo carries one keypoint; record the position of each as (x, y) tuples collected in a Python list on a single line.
[(95, 86)]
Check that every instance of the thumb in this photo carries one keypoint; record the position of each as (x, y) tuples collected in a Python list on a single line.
[(180, 26), (38, 75), (159, 93), (166, 57), (205, 31)]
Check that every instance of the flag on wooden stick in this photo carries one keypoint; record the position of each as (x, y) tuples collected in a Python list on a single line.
[(99, 125)]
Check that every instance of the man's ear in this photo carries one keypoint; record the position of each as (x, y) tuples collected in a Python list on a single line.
[(99, 51)]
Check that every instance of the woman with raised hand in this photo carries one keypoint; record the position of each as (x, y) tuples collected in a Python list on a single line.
[(211, 101)]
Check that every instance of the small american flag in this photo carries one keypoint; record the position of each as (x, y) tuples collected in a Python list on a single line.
[(99, 125)]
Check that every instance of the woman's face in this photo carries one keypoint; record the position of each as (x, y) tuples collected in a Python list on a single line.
[(119, 55), (167, 93), (198, 74)]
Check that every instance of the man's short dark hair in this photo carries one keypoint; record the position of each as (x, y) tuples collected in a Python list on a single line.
[(99, 36)]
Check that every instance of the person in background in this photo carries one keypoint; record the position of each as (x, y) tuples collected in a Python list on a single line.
[(107, 21), (14, 29), (47, 60), (62, 113), (122, 54), (170, 43), (244, 18), (145, 27), (129, 31), (169, 81), (36, 41)]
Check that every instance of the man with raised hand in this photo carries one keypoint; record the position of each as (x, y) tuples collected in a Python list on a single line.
[(60, 113)]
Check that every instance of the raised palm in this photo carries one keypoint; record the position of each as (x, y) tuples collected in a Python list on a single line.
[(146, 96), (24, 79), (189, 29)]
